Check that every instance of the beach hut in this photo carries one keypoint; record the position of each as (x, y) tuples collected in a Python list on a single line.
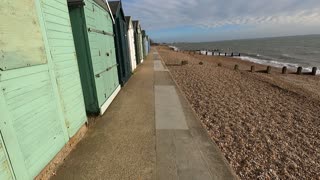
[(144, 42), (131, 43), (146, 45), (121, 42), (138, 41), (149, 44), (92, 27), (41, 100)]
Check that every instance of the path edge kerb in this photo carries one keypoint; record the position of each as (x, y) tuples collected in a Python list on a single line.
[(198, 118)]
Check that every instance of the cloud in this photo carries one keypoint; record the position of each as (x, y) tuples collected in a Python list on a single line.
[(211, 14)]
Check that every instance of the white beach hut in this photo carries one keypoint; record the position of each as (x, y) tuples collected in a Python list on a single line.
[(132, 49)]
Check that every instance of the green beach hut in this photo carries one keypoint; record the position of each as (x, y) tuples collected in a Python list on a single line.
[(92, 26), (121, 42), (138, 41), (41, 100)]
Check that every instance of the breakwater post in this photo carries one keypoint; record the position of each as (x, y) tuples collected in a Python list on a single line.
[(299, 70), (253, 68), (225, 54), (269, 69), (284, 70), (184, 63), (231, 54), (219, 53), (314, 71)]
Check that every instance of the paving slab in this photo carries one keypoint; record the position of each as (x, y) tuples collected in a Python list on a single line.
[(168, 110), (158, 66)]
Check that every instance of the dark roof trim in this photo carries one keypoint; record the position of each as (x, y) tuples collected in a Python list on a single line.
[(76, 3), (101, 3), (128, 20), (116, 6)]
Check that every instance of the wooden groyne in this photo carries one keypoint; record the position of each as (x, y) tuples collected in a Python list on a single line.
[(209, 53), (299, 70)]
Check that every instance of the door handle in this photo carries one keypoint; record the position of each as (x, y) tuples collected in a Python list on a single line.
[(108, 69)]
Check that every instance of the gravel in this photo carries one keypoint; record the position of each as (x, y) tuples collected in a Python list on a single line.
[(266, 125)]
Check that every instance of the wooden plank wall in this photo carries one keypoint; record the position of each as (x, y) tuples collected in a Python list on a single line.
[(41, 105), (62, 49)]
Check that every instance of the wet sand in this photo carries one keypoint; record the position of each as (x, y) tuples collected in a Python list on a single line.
[(266, 125)]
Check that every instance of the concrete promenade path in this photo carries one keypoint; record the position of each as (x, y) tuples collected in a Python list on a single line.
[(148, 132)]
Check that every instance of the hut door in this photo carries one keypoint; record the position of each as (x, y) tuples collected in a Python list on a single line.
[(101, 52)]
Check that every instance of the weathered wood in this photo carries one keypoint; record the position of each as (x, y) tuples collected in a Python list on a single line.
[(299, 70), (314, 71), (236, 67), (20, 46), (284, 70), (269, 69), (253, 69), (184, 62), (231, 54)]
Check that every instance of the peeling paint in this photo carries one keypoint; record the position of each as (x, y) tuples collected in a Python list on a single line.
[(21, 40)]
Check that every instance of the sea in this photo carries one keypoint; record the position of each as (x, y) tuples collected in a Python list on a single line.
[(290, 51)]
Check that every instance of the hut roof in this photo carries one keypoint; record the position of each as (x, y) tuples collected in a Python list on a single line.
[(102, 3), (135, 24), (128, 19), (114, 6)]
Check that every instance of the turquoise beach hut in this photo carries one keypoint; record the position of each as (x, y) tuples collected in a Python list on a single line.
[(41, 99)]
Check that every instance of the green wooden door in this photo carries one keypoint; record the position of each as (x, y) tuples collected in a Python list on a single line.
[(101, 42)]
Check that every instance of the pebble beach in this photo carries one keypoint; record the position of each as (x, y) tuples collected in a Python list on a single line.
[(266, 125)]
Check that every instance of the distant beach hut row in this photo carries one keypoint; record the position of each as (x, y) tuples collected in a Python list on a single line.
[(60, 61)]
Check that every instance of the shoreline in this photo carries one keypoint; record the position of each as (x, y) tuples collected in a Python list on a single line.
[(247, 57), (266, 125), (291, 78)]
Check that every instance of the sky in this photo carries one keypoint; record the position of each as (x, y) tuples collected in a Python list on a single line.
[(216, 20)]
